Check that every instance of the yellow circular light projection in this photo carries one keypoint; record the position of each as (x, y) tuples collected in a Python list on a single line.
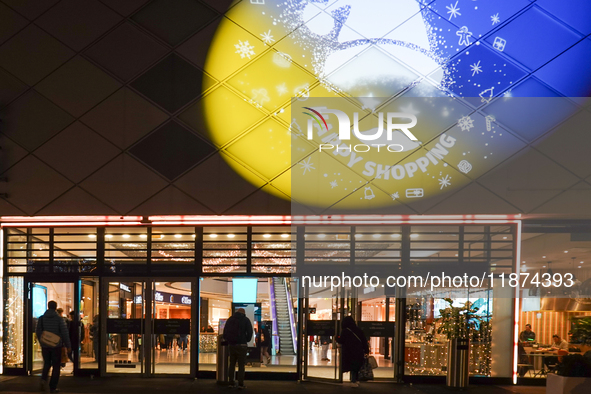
[(274, 59)]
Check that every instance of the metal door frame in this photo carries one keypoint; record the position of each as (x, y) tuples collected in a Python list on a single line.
[(29, 327), (303, 348), (147, 348)]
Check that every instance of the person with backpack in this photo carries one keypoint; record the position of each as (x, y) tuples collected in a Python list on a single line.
[(354, 348), (238, 332), (52, 333)]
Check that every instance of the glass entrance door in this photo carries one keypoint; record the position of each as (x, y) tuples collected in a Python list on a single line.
[(323, 312), (123, 343), (148, 327), (41, 293), (172, 342)]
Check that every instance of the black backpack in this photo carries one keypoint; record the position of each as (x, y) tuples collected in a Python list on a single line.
[(232, 330)]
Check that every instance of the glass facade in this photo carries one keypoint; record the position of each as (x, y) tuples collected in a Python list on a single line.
[(116, 269)]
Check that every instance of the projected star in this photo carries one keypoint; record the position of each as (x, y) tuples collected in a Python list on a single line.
[(453, 10), (476, 68), (333, 184), (267, 37), (281, 89), (444, 182), (495, 19), (307, 165)]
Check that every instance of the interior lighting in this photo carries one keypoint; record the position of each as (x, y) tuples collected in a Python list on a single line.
[(125, 235), (566, 251), (109, 236), (92, 236), (395, 235), (543, 257), (321, 235), (414, 235), (143, 236), (267, 235), (284, 235), (377, 235), (178, 235), (213, 235), (231, 235)]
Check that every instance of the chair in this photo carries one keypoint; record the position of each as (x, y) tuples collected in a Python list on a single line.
[(525, 368), (524, 365)]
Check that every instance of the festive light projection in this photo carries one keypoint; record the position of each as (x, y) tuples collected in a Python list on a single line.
[(455, 65)]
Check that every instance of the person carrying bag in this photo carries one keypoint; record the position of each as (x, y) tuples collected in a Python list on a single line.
[(53, 336), (354, 349)]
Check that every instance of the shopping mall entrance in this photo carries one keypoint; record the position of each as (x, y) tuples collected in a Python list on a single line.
[(148, 327), (77, 303)]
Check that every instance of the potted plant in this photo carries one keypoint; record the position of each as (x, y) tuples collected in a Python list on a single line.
[(573, 376), (581, 332), (458, 324)]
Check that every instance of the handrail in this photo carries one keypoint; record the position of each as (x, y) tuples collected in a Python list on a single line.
[(291, 316), (274, 334)]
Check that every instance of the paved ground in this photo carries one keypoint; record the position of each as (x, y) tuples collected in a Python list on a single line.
[(126, 385)]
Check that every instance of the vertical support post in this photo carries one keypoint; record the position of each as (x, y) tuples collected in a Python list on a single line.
[(249, 250), (387, 317), (146, 348)]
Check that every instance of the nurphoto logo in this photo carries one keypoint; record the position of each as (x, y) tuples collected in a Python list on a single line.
[(317, 114)]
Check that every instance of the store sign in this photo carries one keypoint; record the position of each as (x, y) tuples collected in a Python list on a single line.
[(172, 326), (172, 298), (378, 329), (321, 327), (124, 287), (169, 298), (124, 326)]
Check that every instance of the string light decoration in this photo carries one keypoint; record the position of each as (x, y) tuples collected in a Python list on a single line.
[(431, 358), (14, 322)]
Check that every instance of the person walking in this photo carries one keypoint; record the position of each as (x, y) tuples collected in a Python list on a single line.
[(325, 341), (95, 332), (60, 312), (238, 332), (52, 333), (75, 324), (265, 343), (354, 348)]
